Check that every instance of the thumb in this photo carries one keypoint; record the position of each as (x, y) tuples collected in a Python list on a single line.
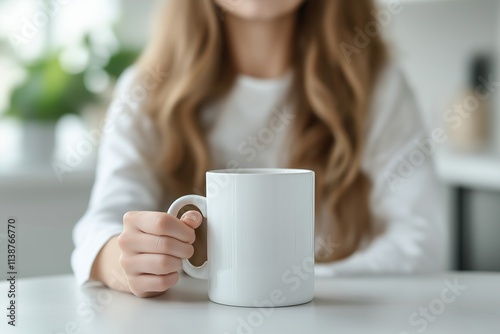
[(192, 218)]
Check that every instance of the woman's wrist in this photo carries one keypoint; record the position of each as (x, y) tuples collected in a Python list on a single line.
[(107, 268)]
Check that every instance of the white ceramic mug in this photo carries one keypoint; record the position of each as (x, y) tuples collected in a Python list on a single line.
[(260, 225)]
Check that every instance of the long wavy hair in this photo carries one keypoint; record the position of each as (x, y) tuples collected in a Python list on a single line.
[(332, 94)]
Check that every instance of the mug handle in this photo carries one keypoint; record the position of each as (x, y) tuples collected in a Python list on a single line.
[(201, 203)]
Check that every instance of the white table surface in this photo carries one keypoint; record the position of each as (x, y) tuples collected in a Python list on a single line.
[(55, 305)]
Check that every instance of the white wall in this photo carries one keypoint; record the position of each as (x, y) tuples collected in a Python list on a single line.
[(136, 21), (434, 41)]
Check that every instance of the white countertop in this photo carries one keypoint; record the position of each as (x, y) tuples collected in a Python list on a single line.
[(474, 170), (43, 177), (341, 305)]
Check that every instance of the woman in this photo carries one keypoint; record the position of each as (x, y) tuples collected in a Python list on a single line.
[(214, 76)]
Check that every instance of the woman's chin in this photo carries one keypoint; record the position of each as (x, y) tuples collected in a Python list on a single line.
[(259, 10)]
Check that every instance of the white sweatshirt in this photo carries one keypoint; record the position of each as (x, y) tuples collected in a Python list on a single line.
[(247, 129)]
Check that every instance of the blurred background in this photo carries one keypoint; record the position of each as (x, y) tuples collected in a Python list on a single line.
[(59, 61)]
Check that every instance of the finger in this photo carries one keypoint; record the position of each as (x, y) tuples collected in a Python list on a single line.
[(192, 218), (153, 244), (143, 285), (160, 223), (156, 264)]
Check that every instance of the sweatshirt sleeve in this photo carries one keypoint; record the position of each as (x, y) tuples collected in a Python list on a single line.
[(404, 199), (125, 179)]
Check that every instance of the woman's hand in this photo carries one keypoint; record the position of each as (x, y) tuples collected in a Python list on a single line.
[(152, 246), (146, 257)]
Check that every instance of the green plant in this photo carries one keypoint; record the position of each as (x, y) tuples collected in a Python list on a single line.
[(120, 61), (48, 93)]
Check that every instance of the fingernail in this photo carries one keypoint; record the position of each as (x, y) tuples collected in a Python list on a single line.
[(192, 215)]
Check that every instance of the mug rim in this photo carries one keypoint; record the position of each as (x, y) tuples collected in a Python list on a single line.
[(261, 171)]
